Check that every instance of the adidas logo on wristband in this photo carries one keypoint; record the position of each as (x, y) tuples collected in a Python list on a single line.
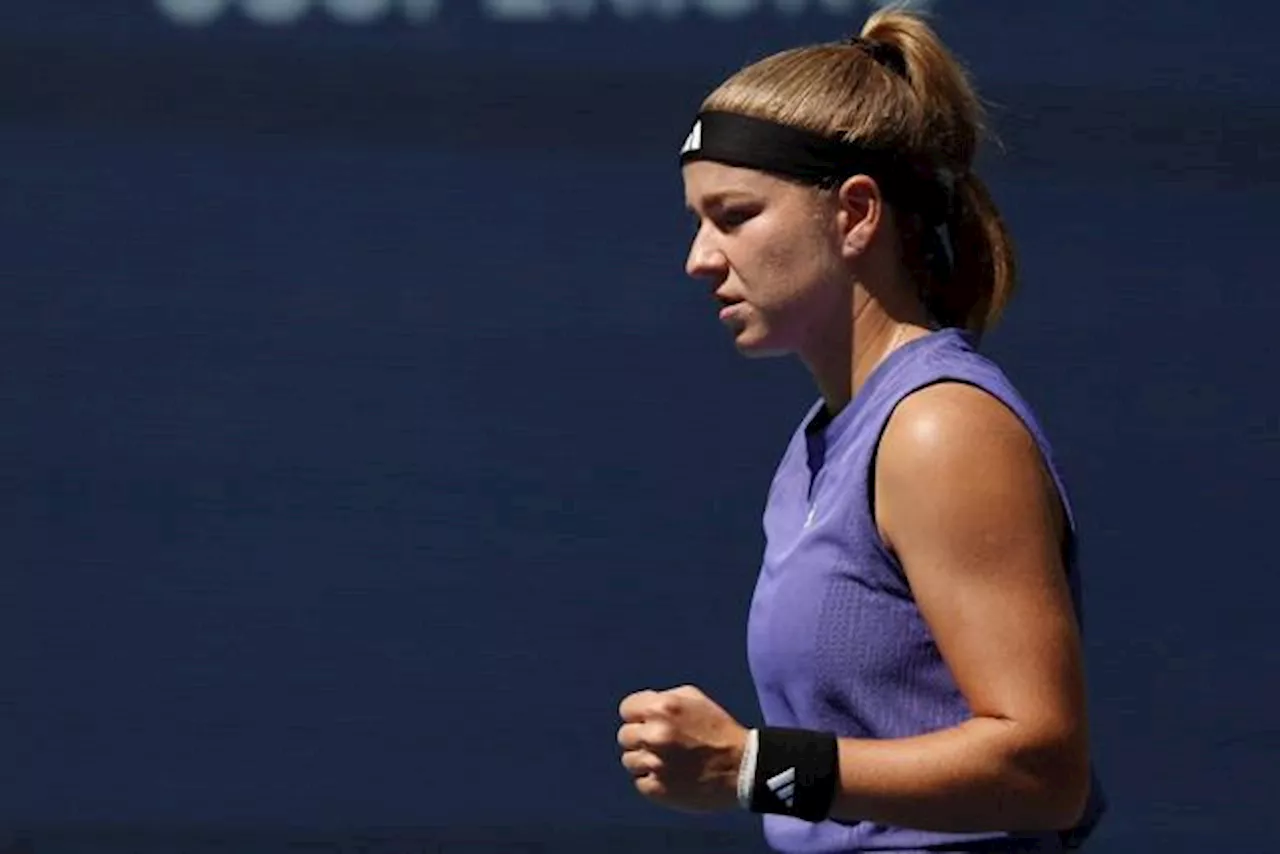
[(783, 786)]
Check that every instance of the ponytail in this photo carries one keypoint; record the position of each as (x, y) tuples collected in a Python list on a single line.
[(947, 125), (984, 270)]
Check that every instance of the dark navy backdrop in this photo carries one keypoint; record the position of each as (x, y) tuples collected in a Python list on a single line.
[(363, 444)]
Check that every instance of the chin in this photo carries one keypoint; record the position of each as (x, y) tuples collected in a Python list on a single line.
[(757, 347)]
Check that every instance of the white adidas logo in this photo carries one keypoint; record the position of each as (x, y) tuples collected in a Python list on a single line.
[(784, 786), (694, 140)]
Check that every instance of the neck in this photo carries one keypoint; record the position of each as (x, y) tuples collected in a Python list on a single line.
[(840, 367)]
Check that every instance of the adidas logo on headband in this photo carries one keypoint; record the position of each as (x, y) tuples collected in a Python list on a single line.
[(693, 141)]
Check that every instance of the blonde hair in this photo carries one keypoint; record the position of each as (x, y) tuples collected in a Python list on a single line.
[(930, 114)]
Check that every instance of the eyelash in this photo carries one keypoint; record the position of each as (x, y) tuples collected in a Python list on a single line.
[(727, 219), (734, 217)]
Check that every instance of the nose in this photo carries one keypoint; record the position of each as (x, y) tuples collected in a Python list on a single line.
[(705, 260)]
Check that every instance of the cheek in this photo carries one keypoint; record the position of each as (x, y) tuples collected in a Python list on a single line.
[(799, 270)]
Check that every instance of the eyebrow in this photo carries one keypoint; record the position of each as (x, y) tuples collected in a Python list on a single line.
[(719, 197)]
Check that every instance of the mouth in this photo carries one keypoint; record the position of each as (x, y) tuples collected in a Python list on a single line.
[(729, 305)]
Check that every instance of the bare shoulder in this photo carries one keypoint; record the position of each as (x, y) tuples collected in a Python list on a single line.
[(952, 419), (954, 452)]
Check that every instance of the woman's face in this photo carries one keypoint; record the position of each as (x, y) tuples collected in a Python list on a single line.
[(770, 249)]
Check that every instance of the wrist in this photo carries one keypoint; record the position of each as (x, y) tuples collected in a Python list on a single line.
[(747, 768), (789, 772)]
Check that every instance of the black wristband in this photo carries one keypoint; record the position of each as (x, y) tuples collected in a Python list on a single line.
[(796, 773)]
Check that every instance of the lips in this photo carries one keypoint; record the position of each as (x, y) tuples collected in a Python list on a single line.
[(728, 304)]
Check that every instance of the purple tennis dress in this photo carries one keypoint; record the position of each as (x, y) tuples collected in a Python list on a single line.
[(834, 639)]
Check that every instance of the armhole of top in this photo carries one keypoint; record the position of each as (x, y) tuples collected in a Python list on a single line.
[(1068, 545)]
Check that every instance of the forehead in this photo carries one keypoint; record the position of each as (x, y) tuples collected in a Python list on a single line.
[(706, 181)]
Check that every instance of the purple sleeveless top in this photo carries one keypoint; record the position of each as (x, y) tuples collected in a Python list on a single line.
[(834, 639)]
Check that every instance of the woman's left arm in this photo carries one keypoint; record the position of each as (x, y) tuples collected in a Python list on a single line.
[(965, 502)]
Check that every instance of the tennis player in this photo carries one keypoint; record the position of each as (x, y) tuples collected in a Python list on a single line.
[(914, 633)]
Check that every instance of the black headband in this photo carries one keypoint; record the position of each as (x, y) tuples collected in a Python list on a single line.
[(811, 158), (767, 146)]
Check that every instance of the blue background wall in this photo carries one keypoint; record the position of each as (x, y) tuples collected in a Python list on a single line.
[(363, 444)]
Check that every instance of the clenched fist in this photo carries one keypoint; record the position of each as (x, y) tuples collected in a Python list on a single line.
[(682, 749)]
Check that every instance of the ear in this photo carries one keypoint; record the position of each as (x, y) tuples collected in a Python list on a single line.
[(861, 209)]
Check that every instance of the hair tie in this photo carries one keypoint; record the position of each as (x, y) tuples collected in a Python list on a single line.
[(886, 54)]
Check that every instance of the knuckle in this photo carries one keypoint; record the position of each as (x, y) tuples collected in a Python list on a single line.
[(642, 762), (661, 734), (651, 786), (634, 703)]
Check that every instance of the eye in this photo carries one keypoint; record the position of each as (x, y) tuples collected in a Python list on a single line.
[(731, 218)]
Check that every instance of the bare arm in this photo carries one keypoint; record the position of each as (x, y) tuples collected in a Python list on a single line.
[(964, 501)]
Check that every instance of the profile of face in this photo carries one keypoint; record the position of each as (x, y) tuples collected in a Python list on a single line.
[(775, 254)]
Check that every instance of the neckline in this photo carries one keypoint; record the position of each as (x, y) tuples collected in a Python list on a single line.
[(832, 427)]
